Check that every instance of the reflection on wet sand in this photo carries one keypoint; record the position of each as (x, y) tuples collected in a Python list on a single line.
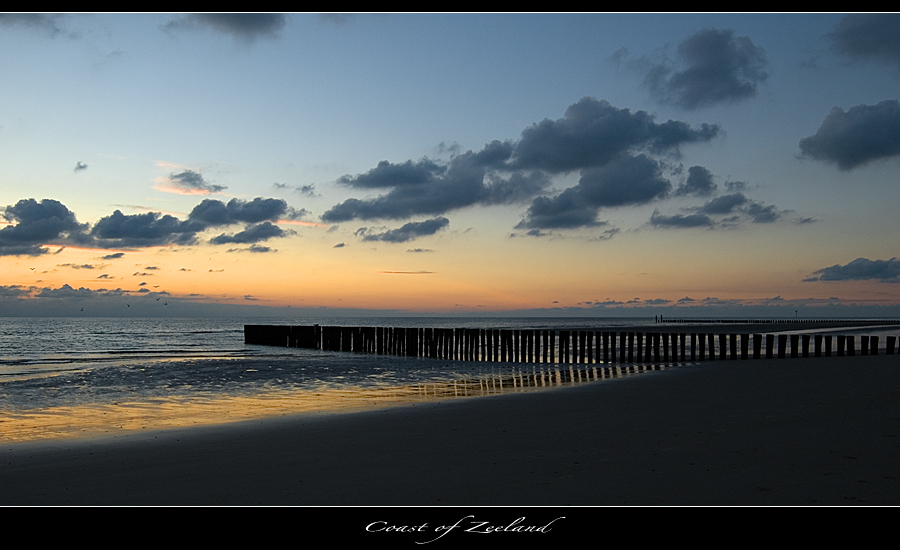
[(183, 411)]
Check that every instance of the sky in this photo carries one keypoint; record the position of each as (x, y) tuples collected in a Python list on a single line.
[(585, 164)]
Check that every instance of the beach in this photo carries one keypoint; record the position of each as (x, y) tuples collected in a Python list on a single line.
[(811, 431)]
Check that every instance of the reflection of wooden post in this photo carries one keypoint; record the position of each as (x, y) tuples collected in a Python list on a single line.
[(864, 345), (757, 346), (841, 342), (851, 345), (827, 345), (890, 342), (770, 345)]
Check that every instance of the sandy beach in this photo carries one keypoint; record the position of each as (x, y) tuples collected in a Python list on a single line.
[(767, 432)]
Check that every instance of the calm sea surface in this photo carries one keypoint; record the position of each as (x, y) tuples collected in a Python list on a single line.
[(62, 377)]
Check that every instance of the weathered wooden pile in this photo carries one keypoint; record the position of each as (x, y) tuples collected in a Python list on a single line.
[(560, 346)]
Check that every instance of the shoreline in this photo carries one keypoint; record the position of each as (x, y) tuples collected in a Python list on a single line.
[(757, 432)]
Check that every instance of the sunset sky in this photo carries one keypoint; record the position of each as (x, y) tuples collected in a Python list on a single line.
[(591, 164)]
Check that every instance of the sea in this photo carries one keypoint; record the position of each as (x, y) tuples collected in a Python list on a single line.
[(78, 376)]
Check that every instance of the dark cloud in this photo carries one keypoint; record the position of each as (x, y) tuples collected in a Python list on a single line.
[(595, 137), (860, 269), (119, 230), (387, 175), (211, 212), (45, 22), (716, 67), (77, 266), (190, 182), (407, 232), (246, 26), (630, 180), (79, 166), (593, 133), (423, 189), (860, 135), (725, 204), (699, 183), (869, 36), (252, 234), (37, 223), (763, 213), (114, 256), (692, 220)]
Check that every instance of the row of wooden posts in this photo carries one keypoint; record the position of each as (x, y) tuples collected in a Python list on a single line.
[(560, 346)]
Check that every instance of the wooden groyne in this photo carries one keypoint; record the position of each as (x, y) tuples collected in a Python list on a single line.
[(796, 321), (562, 346)]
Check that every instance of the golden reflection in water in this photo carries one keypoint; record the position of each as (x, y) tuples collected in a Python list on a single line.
[(178, 411)]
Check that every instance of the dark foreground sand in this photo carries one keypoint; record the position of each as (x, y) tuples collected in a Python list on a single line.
[(777, 432)]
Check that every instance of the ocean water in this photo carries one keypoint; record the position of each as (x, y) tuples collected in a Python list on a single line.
[(65, 377), (62, 377)]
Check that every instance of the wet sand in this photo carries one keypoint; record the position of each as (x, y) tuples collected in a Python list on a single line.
[(767, 432)]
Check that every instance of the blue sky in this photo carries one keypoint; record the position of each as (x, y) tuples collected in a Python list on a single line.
[(596, 164)]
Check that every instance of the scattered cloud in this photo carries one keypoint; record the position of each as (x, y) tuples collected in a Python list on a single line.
[(44, 22), (869, 36), (699, 183), (714, 66), (244, 26), (80, 167), (187, 182), (692, 220), (856, 137), (252, 234), (407, 232), (860, 269), (37, 223), (113, 256)]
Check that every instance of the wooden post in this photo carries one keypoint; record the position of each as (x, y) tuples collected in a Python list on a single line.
[(630, 347), (795, 345), (827, 345), (656, 338), (639, 347), (701, 354), (623, 340), (723, 350), (851, 345), (606, 356), (782, 345), (732, 345), (770, 345), (890, 342), (817, 343), (745, 344), (665, 346), (864, 345), (683, 338), (841, 342), (805, 348), (552, 345), (873, 350), (757, 346), (694, 346), (711, 338)]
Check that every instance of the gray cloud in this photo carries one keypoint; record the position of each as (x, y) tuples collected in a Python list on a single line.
[(630, 180), (725, 204), (860, 269), (869, 36), (252, 234), (190, 181), (79, 166), (593, 133), (860, 135), (211, 212), (699, 182), (114, 256), (119, 230), (407, 232), (245, 26), (692, 220), (37, 223), (716, 67), (45, 22)]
